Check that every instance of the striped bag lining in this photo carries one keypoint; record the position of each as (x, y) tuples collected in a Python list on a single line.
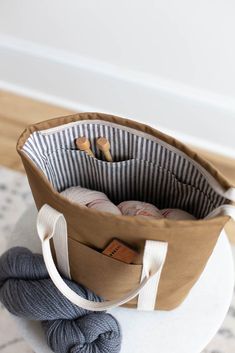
[(143, 169)]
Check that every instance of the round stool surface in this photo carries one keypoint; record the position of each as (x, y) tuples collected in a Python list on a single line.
[(187, 329)]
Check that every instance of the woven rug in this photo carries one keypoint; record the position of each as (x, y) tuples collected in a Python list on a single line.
[(15, 197)]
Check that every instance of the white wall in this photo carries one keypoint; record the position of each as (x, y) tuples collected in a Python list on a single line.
[(174, 60)]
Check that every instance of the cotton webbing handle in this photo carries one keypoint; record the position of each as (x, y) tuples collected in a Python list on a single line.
[(52, 224), (230, 194), (224, 210)]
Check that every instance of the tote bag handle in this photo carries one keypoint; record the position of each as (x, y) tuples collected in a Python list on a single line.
[(52, 224)]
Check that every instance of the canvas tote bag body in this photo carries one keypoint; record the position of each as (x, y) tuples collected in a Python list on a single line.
[(148, 166)]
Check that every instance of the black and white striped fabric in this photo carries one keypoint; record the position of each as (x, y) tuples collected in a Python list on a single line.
[(144, 168)]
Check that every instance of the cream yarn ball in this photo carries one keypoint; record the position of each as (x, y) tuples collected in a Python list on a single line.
[(91, 199), (138, 208)]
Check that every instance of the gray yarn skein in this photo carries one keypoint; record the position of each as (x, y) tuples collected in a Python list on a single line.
[(27, 291)]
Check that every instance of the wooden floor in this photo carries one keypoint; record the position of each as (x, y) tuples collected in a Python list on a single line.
[(17, 112)]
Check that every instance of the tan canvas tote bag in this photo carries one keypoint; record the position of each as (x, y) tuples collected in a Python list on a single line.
[(148, 166)]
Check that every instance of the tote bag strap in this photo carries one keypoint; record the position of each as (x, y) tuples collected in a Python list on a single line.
[(230, 194), (52, 224), (224, 210)]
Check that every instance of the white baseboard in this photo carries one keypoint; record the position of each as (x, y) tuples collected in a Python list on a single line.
[(198, 117)]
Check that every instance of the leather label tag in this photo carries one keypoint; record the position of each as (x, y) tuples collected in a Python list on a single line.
[(120, 251)]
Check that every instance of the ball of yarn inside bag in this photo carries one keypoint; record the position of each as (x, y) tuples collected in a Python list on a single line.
[(27, 291), (175, 213), (138, 208), (91, 199)]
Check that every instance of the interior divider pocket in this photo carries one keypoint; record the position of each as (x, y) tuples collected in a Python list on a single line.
[(131, 179), (116, 179)]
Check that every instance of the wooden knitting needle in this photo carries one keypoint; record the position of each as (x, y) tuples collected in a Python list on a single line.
[(83, 144), (104, 145)]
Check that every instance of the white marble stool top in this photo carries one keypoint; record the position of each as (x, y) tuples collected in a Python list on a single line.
[(187, 329)]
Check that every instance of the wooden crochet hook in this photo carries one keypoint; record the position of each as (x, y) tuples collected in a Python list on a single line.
[(104, 145), (83, 144)]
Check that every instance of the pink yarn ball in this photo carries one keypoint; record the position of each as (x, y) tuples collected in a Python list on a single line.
[(175, 213), (141, 209)]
